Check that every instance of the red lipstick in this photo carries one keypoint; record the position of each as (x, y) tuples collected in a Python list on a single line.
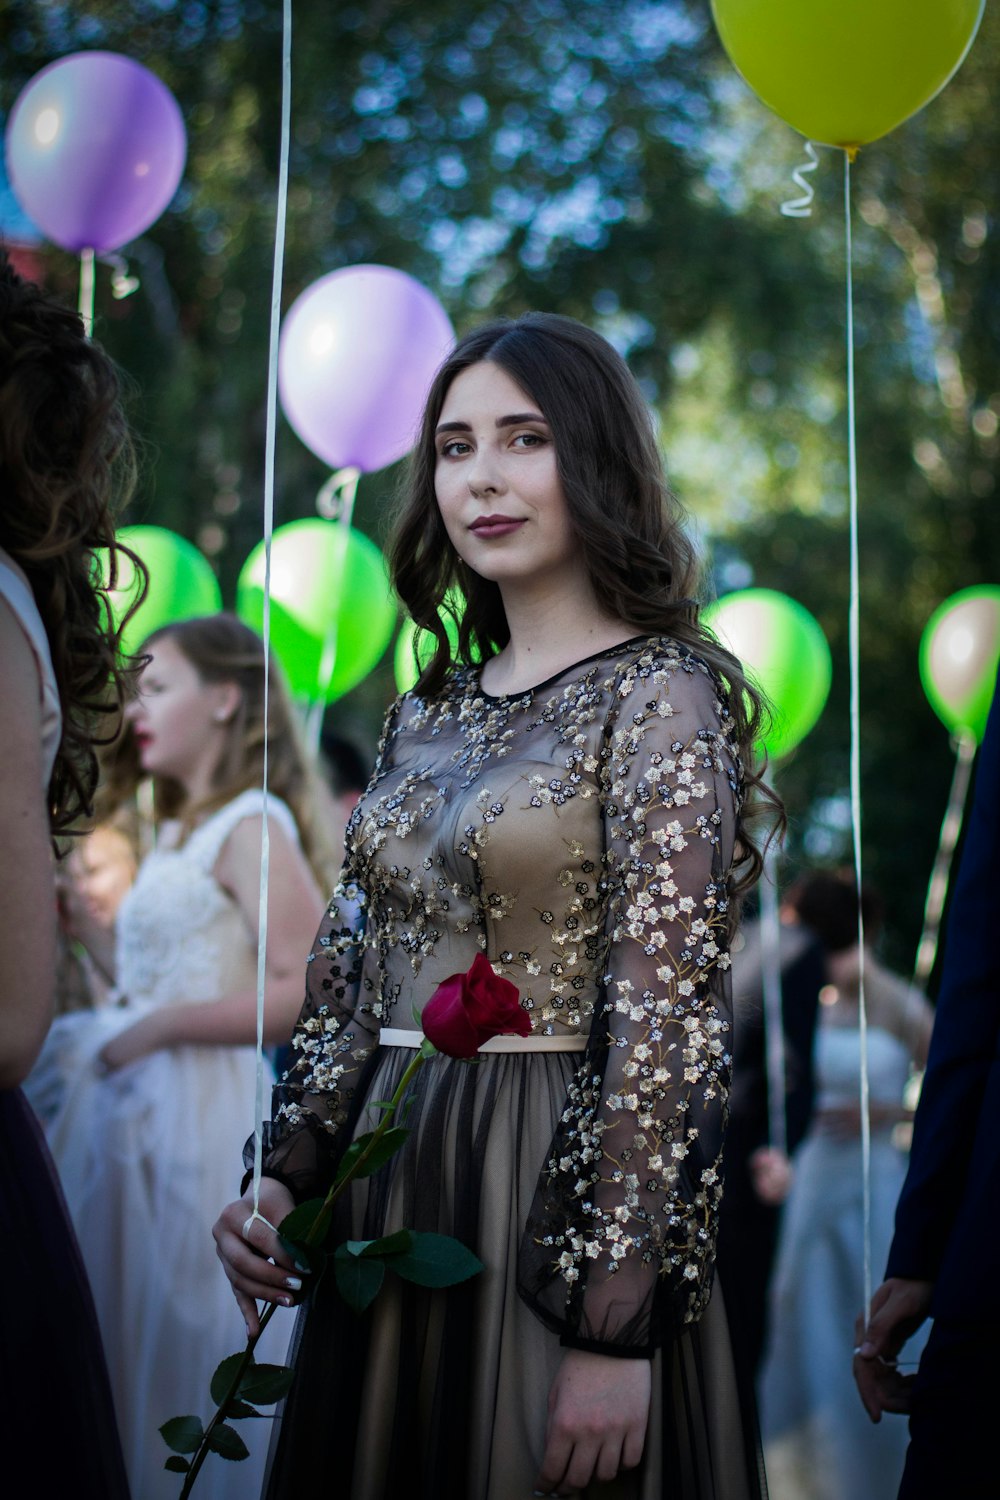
[(497, 525)]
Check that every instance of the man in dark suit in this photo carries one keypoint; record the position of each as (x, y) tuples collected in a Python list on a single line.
[(944, 1262)]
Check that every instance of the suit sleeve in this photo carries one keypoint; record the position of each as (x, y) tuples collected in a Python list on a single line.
[(801, 984), (965, 1039)]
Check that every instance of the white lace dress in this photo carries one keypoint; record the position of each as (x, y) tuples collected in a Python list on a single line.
[(149, 1155)]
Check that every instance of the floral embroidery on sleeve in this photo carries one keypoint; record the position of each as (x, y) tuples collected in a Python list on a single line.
[(627, 1206)]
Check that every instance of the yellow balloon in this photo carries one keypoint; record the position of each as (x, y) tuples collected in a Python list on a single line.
[(844, 72)]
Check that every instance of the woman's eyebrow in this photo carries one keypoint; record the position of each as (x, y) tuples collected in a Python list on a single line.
[(521, 416), (511, 421)]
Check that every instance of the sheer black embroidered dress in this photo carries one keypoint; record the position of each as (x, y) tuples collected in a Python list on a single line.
[(580, 834)]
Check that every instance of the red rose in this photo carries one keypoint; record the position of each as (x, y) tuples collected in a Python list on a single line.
[(467, 1009)]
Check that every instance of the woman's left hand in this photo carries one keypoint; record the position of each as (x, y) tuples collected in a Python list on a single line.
[(133, 1042), (598, 1412)]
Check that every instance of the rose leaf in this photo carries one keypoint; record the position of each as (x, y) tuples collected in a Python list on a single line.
[(436, 1260), (358, 1278)]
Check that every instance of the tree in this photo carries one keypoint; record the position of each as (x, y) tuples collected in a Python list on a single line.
[(606, 163)]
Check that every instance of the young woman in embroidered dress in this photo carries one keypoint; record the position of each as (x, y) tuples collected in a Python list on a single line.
[(161, 1086), (575, 808)]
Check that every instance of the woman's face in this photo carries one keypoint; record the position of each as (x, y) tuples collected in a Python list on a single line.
[(103, 867), (497, 483), (178, 720)]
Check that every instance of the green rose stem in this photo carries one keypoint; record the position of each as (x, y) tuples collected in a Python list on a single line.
[(316, 1232)]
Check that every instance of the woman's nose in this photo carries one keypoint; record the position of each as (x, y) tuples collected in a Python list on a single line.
[(484, 476)]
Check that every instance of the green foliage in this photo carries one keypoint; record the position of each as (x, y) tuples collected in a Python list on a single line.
[(236, 1411), (430, 1260), (308, 1219), (262, 1383), (524, 153), (351, 1164), (266, 1383), (436, 1260), (225, 1374), (359, 1277), (227, 1442), (182, 1434), (389, 1244)]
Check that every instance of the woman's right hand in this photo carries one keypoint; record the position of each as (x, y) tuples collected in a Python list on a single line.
[(247, 1259), (598, 1414)]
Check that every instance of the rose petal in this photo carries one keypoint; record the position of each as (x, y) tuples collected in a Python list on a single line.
[(446, 1022), (469, 1009)]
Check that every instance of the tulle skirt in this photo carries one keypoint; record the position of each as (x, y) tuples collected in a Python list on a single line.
[(55, 1401), (441, 1394)]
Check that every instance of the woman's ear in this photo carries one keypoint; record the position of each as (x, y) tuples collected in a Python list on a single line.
[(227, 700)]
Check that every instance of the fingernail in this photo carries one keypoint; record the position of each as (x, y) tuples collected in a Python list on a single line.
[(286, 1301), (300, 1267), (867, 1349), (293, 1283)]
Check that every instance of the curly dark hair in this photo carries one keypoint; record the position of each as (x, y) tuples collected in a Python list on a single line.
[(67, 466), (640, 561)]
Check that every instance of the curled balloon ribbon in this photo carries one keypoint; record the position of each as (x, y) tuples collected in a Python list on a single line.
[(335, 502), (801, 208), (123, 282)]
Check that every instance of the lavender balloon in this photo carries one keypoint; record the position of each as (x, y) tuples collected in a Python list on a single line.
[(95, 150), (358, 351)]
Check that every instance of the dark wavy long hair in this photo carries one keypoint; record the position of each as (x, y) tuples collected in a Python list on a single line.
[(639, 559), (67, 468)]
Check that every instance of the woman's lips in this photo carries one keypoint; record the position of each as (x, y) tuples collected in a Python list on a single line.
[(492, 526)]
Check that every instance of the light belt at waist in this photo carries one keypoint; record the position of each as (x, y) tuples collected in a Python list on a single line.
[(569, 1041)]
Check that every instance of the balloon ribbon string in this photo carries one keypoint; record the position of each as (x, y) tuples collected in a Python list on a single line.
[(855, 656), (801, 208), (281, 215), (336, 502), (774, 1031), (937, 889), (85, 301)]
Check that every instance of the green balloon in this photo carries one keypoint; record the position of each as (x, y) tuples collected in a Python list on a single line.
[(326, 581), (406, 669), (959, 653), (784, 651), (181, 582)]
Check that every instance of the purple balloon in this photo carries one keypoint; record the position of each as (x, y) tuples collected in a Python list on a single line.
[(358, 352), (95, 150)]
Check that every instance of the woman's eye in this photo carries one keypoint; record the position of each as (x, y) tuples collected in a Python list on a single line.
[(529, 439), (454, 449)]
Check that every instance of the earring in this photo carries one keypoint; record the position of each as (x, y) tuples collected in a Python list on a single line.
[(220, 716)]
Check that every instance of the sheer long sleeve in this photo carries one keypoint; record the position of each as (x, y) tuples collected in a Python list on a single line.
[(619, 1246), (335, 1035)]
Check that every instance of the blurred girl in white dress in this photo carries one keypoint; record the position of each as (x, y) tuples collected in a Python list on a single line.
[(162, 1083)]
